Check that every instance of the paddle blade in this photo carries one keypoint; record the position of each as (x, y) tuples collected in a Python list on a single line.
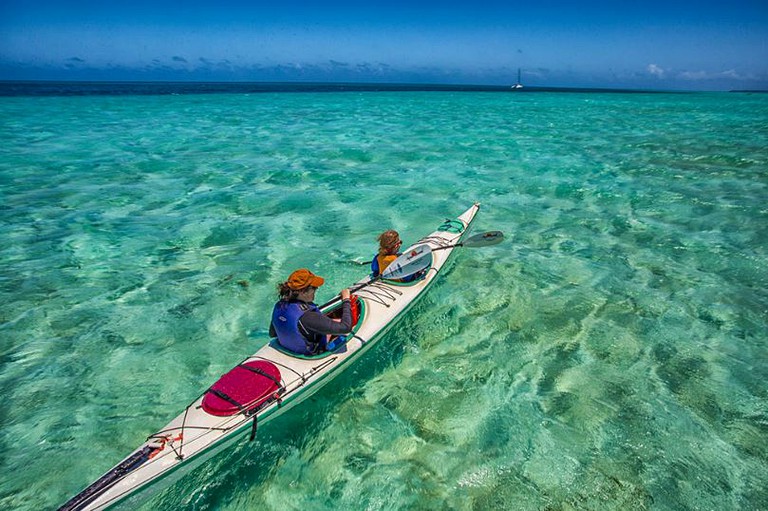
[(484, 239), (417, 259)]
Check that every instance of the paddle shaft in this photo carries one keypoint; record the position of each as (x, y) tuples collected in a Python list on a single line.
[(433, 250), (416, 259), (351, 290)]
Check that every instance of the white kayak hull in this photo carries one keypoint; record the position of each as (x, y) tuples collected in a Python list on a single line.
[(195, 436)]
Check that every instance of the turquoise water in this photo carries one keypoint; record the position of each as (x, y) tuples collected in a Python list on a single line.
[(611, 354)]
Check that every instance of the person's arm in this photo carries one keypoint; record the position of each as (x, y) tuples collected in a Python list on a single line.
[(318, 323), (272, 331)]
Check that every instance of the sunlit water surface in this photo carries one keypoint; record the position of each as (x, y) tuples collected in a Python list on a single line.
[(611, 354)]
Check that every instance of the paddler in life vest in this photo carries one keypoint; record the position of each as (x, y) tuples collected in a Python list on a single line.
[(389, 250), (298, 323)]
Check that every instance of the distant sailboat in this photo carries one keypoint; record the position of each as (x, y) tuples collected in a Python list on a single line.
[(518, 85)]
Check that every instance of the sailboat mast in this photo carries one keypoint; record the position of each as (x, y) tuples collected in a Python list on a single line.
[(517, 85)]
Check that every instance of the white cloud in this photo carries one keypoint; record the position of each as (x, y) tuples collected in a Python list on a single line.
[(656, 70), (694, 75), (729, 74)]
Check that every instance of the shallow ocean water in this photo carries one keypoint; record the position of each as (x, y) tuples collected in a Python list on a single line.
[(610, 354)]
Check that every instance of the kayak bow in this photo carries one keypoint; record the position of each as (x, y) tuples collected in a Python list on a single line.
[(263, 386)]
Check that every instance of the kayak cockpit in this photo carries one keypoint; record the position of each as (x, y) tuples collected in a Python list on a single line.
[(336, 343)]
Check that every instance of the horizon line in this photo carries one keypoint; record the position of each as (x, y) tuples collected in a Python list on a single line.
[(328, 86)]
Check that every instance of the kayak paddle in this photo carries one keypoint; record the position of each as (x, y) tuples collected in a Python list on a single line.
[(483, 239), (415, 260)]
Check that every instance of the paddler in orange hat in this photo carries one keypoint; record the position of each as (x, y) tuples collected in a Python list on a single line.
[(298, 323)]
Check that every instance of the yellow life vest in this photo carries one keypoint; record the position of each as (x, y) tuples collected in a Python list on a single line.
[(384, 261)]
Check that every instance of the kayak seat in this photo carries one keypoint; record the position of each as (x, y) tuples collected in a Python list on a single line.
[(409, 281), (354, 307), (337, 341), (247, 388)]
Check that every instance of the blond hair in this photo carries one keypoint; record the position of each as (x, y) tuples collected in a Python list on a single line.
[(389, 241)]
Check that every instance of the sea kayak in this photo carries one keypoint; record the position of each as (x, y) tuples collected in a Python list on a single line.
[(266, 384)]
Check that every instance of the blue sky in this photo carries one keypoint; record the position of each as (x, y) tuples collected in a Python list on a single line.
[(652, 44)]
